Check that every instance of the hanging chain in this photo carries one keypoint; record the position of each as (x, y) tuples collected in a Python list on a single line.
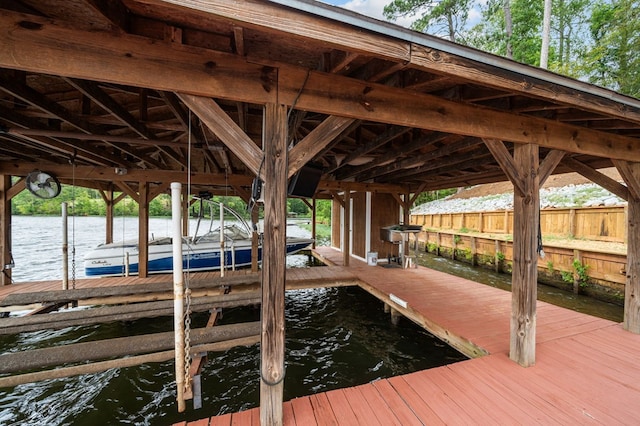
[(73, 222), (187, 291), (187, 338)]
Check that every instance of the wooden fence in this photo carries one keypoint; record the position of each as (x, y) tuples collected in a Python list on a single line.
[(591, 223), (602, 275)]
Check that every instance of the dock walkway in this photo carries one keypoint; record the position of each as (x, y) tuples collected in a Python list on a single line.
[(586, 368)]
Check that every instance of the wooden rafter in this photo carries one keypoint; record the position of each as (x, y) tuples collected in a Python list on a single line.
[(240, 80), (507, 163), (226, 129), (316, 141), (97, 95), (549, 164), (595, 176)]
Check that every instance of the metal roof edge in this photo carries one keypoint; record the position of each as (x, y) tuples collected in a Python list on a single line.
[(393, 30)]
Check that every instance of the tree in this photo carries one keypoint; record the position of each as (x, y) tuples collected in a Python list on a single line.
[(444, 17), (614, 60)]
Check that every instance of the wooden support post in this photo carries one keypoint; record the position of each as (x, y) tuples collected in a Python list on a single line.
[(347, 228), (109, 206), (143, 230), (5, 230), (313, 222), (387, 308), (480, 222), (273, 265), (395, 316), (630, 172), (526, 208)]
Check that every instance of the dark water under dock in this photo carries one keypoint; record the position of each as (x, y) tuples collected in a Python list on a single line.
[(335, 338)]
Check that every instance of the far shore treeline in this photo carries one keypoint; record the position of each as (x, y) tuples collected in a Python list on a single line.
[(88, 202)]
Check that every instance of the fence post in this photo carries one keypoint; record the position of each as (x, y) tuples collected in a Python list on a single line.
[(577, 256), (572, 223)]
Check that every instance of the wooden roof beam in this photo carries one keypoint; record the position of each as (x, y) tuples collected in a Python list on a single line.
[(106, 102), (161, 66), (93, 173), (507, 164), (599, 178), (50, 144), (214, 117), (325, 133)]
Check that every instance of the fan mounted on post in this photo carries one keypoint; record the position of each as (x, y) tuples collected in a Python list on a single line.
[(43, 185)]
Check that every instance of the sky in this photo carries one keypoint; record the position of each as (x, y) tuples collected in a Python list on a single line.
[(373, 8)]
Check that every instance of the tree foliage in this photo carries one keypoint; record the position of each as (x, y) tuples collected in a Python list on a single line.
[(442, 17), (598, 41), (614, 60)]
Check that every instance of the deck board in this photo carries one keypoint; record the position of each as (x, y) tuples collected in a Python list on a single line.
[(585, 372)]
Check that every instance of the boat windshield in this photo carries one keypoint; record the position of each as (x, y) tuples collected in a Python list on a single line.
[(231, 233)]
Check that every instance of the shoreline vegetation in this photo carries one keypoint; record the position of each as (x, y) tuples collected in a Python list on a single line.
[(88, 202)]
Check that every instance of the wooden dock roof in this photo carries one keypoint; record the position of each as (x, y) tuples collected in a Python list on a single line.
[(385, 108)]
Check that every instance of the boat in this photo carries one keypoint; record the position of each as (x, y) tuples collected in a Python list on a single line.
[(200, 253)]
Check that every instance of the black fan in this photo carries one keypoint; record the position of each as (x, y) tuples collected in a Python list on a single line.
[(43, 185)]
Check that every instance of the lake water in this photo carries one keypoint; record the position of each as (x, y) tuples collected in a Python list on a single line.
[(334, 338)]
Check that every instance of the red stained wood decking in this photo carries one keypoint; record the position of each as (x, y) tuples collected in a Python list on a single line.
[(586, 368)]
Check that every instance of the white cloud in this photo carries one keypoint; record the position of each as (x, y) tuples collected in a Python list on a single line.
[(372, 8)]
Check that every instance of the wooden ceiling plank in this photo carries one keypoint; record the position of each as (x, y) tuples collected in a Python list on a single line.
[(382, 139), (549, 164), (325, 133), (36, 99), (506, 162), (93, 15), (444, 63), (402, 150), (378, 103), (474, 158), (132, 60), (279, 19), (381, 188), (161, 66), (226, 129), (599, 178), (417, 160), (48, 144), (100, 97)]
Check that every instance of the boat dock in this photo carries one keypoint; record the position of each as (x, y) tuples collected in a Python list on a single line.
[(585, 372)]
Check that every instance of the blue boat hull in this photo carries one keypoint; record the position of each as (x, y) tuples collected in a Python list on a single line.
[(200, 261)]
